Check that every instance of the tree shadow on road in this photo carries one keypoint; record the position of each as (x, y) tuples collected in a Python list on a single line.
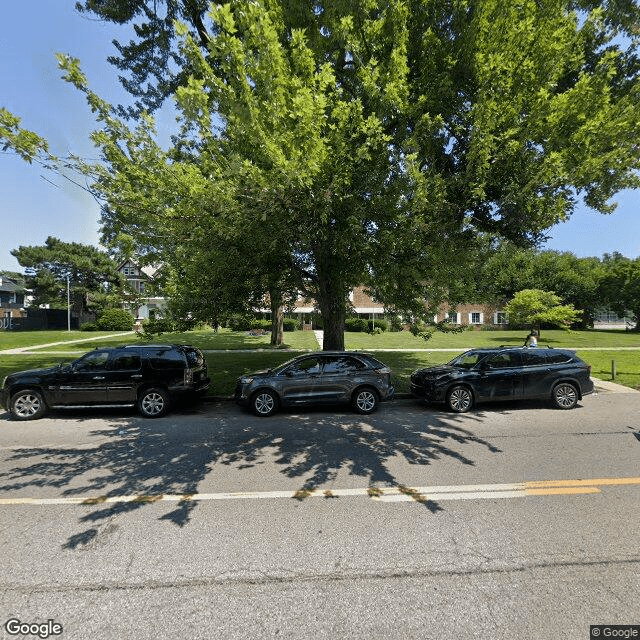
[(175, 454)]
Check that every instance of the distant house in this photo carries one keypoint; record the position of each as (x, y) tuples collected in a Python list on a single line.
[(143, 303), (364, 306), (12, 302), (477, 314)]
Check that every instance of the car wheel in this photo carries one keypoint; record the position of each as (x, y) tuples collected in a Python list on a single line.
[(264, 403), (153, 403), (27, 404), (565, 396), (460, 399), (365, 401)]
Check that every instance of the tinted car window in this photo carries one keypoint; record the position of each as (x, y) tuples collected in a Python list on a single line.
[(504, 359), (341, 364), (468, 360), (533, 357), (125, 362), (304, 367), (167, 360), (92, 361), (557, 358)]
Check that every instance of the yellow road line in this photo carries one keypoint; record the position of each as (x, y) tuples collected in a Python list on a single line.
[(561, 491), (389, 494), (596, 482)]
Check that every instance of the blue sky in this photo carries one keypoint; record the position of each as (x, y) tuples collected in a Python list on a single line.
[(36, 204)]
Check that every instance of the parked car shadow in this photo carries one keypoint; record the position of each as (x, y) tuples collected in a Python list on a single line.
[(173, 455)]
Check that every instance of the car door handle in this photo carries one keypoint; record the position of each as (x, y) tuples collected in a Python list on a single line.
[(98, 377), (137, 376)]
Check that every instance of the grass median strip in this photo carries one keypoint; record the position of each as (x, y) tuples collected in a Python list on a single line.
[(399, 493)]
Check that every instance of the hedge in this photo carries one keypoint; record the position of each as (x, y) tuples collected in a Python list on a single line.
[(115, 320)]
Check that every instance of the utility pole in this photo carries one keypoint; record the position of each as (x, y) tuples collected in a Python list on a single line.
[(68, 306)]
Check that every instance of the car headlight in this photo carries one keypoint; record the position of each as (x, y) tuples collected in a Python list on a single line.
[(246, 380)]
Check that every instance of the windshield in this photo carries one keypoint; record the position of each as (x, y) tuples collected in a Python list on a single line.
[(468, 360)]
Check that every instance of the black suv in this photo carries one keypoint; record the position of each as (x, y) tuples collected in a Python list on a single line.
[(148, 376), (505, 373)]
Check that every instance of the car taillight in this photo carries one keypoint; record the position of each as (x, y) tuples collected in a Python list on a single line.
[(188, 376)]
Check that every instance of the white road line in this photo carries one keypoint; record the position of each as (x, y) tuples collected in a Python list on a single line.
[(390, 494)]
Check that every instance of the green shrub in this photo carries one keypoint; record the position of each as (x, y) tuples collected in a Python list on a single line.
[(356, 324), (397, 323), (290, 324), (88, 326), (447, 327), (257, 323), (240, 322), (157, 326), (381, 324), (115, 320)]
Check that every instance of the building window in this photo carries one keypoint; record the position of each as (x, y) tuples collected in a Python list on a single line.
[(500, 317), (475, 317), (453, 317)]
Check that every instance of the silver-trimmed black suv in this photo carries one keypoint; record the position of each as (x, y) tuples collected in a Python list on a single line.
[(149, 376), (505, 373), (317, 378)]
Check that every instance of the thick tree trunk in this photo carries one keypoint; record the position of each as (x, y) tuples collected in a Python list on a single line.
[(277, 318), (332, 302)]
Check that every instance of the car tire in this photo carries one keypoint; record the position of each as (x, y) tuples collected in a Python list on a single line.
[(264, 403), (565, 396), (27, 404), (460, 399), (153, 402), (365, 400)]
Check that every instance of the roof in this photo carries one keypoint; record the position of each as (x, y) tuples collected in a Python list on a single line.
[(7, 284)]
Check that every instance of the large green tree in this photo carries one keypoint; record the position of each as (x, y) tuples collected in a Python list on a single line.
[(507, 269), (378, 138), (535, 307), (94, 281)]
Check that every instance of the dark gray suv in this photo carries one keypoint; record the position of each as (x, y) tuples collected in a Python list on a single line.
[(149, 376), (325, 377)]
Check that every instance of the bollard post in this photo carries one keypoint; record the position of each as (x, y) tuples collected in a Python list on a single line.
[(614, 370)]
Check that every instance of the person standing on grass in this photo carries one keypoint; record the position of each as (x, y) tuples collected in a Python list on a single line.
[(532, 339)]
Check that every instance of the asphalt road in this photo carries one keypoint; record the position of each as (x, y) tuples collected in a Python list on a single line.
[(512, 521)]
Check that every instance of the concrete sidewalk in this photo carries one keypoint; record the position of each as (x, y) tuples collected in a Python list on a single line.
[(35, 347), (607, 386)]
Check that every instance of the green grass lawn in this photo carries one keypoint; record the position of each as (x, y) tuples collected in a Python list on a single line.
[(627, 364), (17, 339), (10, 364), (223, 339), (471, 339)]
